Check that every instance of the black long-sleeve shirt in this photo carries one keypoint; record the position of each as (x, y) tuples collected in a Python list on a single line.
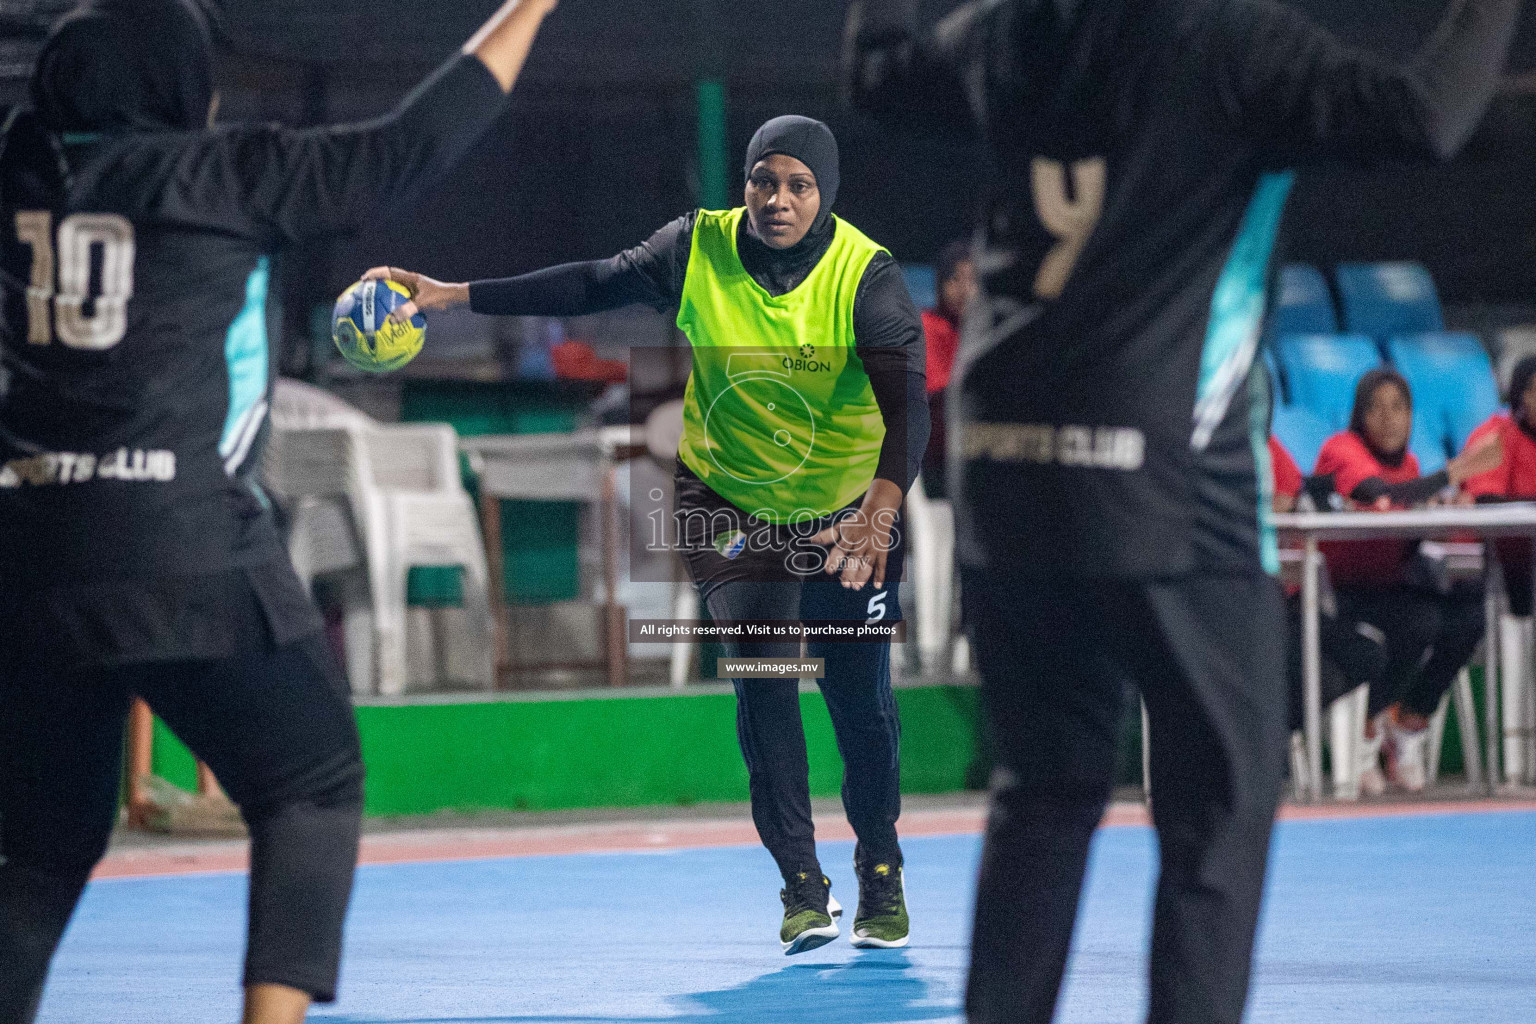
[(133, 395), (887, 330), (1140, 150)]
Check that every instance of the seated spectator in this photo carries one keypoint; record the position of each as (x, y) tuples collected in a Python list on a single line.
[(1353, 653), (1514, 479), (1430, 629), (955, 286), (1285, 476)]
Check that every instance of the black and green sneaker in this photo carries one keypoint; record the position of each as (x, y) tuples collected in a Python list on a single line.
[(881, 922), (808, 919)]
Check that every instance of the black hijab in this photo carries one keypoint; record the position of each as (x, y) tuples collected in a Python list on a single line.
[(1519, 380), (1370, 382), (812, 143), (947, 266), (125, 64), (808, 141)]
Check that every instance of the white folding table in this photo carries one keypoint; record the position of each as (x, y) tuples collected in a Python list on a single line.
[(1486, 522)]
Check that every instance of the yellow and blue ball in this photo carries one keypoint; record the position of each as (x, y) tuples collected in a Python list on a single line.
[(365, 335)]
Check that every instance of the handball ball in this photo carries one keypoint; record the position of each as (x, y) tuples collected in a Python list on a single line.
[(365, 335)]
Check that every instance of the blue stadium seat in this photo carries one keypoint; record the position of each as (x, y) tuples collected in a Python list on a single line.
[(921, 284), (1321, 371), (1279, 390), (1454, 390), (1302, 432), (1427, 444), (1302, 304), (1386, 299)]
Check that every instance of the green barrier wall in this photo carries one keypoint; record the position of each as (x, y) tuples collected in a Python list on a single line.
[(598, 751), (172, 761), (591, 750)]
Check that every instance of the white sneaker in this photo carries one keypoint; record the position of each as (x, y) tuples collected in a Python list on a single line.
[(1407, 756), (1368, 761)]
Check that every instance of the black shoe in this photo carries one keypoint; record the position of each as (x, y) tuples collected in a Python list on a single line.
[(881, 922), (807, 915)]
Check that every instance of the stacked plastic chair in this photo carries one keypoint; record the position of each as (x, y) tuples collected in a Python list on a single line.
[(1450, 374), (1302, 303), (385, 497), (1322, 370), (1454, 390), (1387, 299), (1313, 366)]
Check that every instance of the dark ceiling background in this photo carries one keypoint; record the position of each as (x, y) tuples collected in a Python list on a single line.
[(599, 145), (651, 40)]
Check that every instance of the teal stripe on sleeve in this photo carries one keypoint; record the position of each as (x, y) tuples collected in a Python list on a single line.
[(1232, 342), (245, 354), (1258, 434), (1237, 306)]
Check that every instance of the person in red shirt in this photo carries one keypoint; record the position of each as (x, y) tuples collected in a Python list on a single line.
[(1430, 631), (955, 285), (1354, 653), (1286, 476), (1514, 479)]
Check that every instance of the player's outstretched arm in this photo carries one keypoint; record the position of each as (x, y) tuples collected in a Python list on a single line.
[(292, 185), (1277, 76), (650, 274), (570, 289), (503, 42)]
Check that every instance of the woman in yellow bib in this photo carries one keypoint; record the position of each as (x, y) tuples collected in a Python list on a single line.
[(805, 421)]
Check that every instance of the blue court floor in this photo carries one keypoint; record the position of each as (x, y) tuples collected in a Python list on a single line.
[(1395, 920)]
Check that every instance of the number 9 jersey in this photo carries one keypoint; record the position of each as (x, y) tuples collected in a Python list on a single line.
[(136, 309)]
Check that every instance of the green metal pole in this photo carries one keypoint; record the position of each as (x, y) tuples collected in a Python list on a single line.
[(714, 189), (709, 93)]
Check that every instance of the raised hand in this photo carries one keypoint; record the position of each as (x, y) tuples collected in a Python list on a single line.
[(503, 42)]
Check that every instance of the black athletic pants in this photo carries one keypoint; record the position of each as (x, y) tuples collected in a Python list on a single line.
[(857, 689), (1430, 636), (277, 729), (1352, 656), (1208, 654)]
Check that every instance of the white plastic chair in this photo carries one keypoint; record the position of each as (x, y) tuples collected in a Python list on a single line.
[(1509, 722), (931, 523), (1346, 727), (663, 435), (312, 469), (420, 515), (1519, 700), (387, 497), (296, 405)]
